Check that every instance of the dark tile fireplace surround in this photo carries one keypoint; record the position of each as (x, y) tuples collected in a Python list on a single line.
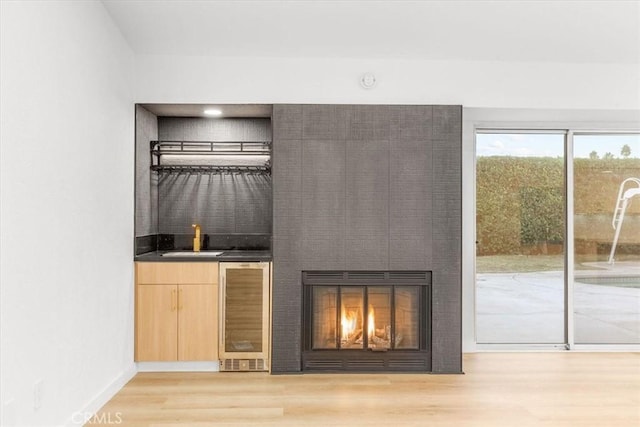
[(372, 194)]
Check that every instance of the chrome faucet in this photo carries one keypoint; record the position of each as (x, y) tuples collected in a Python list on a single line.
[(196, 238)]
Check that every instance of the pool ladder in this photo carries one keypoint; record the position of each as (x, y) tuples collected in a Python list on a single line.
[(624, 197)]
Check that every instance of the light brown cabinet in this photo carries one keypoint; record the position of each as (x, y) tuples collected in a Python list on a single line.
[(176, 311)]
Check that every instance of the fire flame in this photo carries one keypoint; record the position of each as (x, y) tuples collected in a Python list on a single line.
[(349, 321), (371, 323)]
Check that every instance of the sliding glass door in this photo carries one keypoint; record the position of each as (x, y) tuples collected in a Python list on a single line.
[(558, 238), (606, 228), (520, 232)]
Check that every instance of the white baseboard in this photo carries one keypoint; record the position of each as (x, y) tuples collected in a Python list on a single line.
[(529, 348), (178, 366), (81, 417), (84, 416)]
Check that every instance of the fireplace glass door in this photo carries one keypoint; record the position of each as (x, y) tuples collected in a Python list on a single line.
[(377, 318)]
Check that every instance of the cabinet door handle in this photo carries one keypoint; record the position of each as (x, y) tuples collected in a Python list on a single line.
[(173, 300), (180, 306)]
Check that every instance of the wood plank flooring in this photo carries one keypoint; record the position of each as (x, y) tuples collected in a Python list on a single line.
[(498, 389)]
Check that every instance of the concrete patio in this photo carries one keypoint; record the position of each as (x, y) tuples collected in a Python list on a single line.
[(529, 307)]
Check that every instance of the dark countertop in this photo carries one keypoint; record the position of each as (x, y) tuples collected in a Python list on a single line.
[(226, 256)]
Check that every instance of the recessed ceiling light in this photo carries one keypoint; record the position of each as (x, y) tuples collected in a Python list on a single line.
[(212, 112)]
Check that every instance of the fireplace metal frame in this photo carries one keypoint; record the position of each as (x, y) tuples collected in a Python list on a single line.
[(365, 359)]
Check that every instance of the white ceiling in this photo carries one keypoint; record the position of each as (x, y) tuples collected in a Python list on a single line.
[(535, 30)]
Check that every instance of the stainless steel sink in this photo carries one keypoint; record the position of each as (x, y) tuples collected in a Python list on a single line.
[(204, 254)]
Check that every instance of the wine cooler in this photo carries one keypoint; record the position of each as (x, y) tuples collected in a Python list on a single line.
[(244, 322)]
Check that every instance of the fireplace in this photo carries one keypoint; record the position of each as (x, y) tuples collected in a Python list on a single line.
[(359, 188), (366, 321)]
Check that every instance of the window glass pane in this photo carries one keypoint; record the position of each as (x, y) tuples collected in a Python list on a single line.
[(520, 233), (606, 274)]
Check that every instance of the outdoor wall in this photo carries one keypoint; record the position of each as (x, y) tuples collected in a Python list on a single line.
[(66, 211)]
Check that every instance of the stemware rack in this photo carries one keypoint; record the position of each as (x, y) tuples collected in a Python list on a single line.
[(211, 156)]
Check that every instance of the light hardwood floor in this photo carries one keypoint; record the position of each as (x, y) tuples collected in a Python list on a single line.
[(498, 389)]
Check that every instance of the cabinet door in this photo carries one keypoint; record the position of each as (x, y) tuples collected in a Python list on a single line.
[(156, 323), (197, 322)]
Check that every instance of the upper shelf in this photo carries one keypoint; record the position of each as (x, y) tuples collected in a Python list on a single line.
[(211, 156)]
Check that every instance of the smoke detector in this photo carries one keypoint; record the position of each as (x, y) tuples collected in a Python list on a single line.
[(368, 80)]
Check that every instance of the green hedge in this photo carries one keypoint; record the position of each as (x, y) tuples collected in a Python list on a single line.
[(520, 200)]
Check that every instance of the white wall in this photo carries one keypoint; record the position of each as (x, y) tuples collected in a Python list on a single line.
[(66, 210), (167, 79)]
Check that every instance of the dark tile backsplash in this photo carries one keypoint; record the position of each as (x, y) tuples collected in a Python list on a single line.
[(146, 244), (214, 129), (146, 181), (167, 242), (184, 242), (223, 204)]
